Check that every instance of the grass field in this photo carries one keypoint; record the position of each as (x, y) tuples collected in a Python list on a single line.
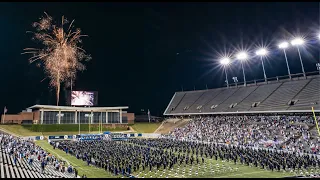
[(211, 168), (21, 131), (145, 127), (70, 127)]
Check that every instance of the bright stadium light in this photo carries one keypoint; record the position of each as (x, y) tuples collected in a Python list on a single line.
[(242, 56), (283, 46), (225, 61), (298, 42), (262, 52), (319, 35)]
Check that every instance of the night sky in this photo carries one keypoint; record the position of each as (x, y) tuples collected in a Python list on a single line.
[(144, 52)]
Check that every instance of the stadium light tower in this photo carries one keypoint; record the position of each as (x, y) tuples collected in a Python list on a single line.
[(243, 56), (262, 53), (225, 62), (299, 42), (284, 45)]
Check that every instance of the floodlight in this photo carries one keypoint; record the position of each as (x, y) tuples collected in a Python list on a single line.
[(242, 55), (261, 52), (297, 42), (283, 45), (225, 61)]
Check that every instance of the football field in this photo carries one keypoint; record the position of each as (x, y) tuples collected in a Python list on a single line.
[(211, 168)]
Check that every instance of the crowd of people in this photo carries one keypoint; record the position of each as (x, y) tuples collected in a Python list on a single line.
[(253, 131), (134, 155), (248, 140), (120, 157), (21, 149), (305, 144), (264, 158)]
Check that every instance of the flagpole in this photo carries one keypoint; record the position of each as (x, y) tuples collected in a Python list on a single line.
[(4, 114), (3, 118), (100, 124), (79, 122)]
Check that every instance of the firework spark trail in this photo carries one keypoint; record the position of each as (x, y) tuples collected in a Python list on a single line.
[(61, 55)]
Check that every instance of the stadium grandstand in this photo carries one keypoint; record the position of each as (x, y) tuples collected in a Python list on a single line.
[(294, 95)]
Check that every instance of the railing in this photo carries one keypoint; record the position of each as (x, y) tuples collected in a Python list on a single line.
[(242, 112), (298, 76)]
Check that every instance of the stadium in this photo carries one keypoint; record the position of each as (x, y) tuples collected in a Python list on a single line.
[(260, 128)]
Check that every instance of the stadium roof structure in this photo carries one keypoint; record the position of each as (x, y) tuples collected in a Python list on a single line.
[(50, 107)]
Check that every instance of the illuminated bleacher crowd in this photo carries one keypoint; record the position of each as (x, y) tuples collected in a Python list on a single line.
[(20, 158), (292, 133)]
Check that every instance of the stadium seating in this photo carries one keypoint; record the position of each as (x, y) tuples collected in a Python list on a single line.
[(176, 101), (187, 101), (222, 96), (235, 99), (285, 132), (261, 93), (295, 94), (8, 169), (23, 170), (279, 99), (204, 99), (308, 96)]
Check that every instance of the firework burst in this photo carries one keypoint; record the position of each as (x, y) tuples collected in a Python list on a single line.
[(61, 55)]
